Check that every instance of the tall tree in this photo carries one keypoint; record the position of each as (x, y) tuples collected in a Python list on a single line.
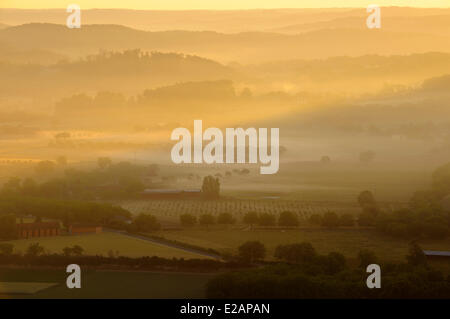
[(211, 187)]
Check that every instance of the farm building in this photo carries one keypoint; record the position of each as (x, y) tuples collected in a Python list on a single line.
[(172, 193), (38, 229), (80, 229), (437, 254)]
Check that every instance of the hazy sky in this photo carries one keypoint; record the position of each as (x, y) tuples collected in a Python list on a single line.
[(215, 4)]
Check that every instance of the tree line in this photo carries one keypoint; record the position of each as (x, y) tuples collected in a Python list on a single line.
[(285, 219), (108, 180), (36, 255), (67, 211), (426, 215), (303, 273)]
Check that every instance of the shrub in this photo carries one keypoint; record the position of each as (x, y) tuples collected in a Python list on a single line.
[(146, 223), (266, 219), (188, 219), (335, 263), (416, 255), (367, 202), (73, 251), (366, 219), (225, 218), (346, 220), (34, 250), (366, 257), (296, 253), (315, 219), (252, 251), (287, 219), (330, 220), (206, 219)]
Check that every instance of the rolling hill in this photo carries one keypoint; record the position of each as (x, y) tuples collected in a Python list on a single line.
[(245, 47)]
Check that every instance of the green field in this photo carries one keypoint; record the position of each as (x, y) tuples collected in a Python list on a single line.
[(101, 244), (109, 284), (346, 241)]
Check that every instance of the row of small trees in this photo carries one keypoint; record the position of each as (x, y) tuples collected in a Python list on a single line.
[(207, 219), (253, 251), (424, 217), (36, 249), (332, 220), (285, 219), (301, 253)]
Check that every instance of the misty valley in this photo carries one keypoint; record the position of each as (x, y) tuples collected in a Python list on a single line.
[(225, 154)]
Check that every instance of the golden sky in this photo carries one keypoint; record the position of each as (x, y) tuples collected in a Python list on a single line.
[(215, 4)]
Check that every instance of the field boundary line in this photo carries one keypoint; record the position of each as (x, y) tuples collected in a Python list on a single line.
[(164, 243)]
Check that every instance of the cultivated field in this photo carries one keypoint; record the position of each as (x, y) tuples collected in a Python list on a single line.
[(170, 210), (102, 244)]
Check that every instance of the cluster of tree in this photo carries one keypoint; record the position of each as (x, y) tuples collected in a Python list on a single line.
[(107, 181), (426, 216), (75, 250), (285, 219), (306, 274), (68, 211), (37, 255), (252, 251), (73, 212), (36, 249), (408, 223), (144, 223), (215, 92), (302, 253), (110, 67), (370, 209)]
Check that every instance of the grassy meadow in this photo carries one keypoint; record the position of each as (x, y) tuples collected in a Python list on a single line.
[(345, 241), (102, 244), (125, 284)]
